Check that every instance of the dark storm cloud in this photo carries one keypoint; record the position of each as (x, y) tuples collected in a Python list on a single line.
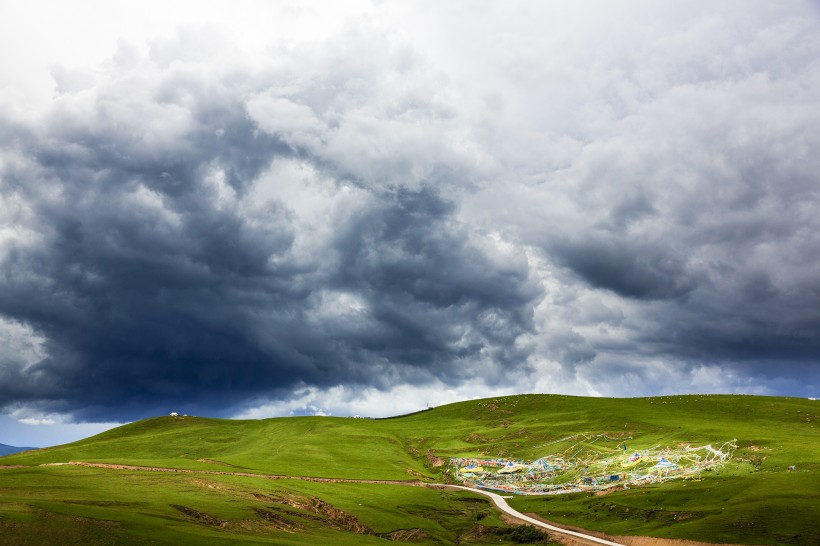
[(433, 295), (140, 301), (768, 325), (156, 276), (615, 201), (629, 270)]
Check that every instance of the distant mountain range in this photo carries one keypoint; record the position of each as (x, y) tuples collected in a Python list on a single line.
[(8, 450)]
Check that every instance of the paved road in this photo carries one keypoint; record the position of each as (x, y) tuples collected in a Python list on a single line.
[(502, 505)]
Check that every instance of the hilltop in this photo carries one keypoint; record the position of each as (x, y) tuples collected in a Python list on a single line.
[(754, 499)]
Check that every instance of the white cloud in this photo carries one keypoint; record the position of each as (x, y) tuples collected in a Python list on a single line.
[(20, 346), (346, 401)]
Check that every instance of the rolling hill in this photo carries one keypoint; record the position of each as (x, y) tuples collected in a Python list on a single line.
[(216, 497)]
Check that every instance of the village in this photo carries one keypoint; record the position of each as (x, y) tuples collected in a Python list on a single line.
[(583, 462)]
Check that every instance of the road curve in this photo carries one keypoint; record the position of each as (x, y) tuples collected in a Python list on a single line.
[(502, 505)]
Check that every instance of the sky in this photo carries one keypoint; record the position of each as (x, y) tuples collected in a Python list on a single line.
[(253, 209)]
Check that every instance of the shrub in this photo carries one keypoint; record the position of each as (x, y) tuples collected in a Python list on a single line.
[(526, 534)]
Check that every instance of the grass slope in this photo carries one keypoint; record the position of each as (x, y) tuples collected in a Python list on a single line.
[(753, 500), (74, 505)]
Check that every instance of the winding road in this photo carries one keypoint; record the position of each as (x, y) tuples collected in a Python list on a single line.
[(502, 505)]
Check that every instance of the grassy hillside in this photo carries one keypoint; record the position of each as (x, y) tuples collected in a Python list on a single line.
[(74, 505), (753, 500)]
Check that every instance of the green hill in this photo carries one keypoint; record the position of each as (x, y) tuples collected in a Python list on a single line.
[(754, 499)]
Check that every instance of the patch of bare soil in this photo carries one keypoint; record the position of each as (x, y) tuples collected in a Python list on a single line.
[(214, 461), (133, 467), (492, 405), (278, 521), (199, 517), (433, 460), (339, 519), (263, 498), (608, 491), (335, 517), (208, 484), (405, 535)]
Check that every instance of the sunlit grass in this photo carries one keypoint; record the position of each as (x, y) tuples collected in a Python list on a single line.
[(754, 499)]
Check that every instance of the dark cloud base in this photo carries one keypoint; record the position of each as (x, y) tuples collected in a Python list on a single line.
[(191, 232), (190, 301)]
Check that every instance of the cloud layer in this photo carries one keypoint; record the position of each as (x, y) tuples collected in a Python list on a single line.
[(628, 208)]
